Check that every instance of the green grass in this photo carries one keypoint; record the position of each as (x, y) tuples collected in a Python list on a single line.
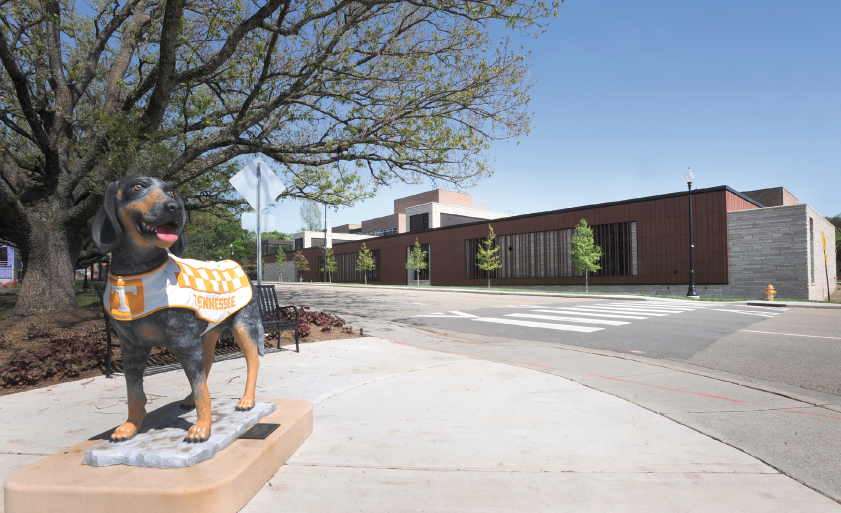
[(85, 298)]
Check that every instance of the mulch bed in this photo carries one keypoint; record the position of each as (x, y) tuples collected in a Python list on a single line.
[(34, 333)]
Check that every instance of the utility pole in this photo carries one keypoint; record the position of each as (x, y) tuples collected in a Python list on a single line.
[(691, 293)]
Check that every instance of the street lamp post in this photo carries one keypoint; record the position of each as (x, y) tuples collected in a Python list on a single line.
[(691, 293)]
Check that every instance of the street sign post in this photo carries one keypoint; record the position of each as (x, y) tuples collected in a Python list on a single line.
[(260, 187)]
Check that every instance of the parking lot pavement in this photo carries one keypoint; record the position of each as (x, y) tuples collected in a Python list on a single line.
[(400, 428)]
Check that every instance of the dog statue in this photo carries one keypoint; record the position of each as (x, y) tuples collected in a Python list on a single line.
[(156, 298)]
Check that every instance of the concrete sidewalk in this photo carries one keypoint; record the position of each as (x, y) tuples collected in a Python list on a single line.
[(398, 428)]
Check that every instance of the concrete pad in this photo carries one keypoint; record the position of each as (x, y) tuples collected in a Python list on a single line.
[(222, 484), (322, 489), (485, 416)]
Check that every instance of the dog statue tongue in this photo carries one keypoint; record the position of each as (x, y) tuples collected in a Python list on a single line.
[(166, 233)]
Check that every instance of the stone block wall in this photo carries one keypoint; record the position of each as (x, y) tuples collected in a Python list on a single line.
[(772, 246), (817, 288)]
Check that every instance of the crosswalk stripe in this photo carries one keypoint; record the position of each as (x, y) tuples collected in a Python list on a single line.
[(636, 308), (653, 307), (575, 312), (532, 324), (617, 310), (758, 314), (569, 319), (456, 316)]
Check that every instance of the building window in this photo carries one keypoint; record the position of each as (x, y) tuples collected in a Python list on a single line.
[(4, 256), (618, 254), (383, 233), (471, 249), (419, 222), (346, 268), (547, 254), (812, 246)]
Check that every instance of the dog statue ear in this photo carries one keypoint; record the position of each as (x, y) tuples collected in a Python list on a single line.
[(178, 247), (106, 231)]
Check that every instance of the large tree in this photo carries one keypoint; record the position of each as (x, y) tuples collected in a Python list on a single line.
[(345, 96)]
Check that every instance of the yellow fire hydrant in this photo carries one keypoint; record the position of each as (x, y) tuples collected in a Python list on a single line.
[(770, 292)]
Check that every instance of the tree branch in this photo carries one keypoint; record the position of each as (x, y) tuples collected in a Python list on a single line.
[(165, 80), (25, 101)]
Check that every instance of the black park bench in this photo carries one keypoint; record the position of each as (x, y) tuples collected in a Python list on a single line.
[(273, 320)]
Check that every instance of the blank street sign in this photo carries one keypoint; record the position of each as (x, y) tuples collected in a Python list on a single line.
[(245, 182), (249, 222)]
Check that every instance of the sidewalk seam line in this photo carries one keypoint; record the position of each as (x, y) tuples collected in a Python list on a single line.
[(348, 389)]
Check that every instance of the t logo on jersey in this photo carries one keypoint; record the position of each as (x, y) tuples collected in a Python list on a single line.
[(126, 297)]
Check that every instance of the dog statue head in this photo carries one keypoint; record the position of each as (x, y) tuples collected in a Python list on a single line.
[(141, 212)]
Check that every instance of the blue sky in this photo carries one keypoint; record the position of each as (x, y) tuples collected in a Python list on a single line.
[(627, 95)]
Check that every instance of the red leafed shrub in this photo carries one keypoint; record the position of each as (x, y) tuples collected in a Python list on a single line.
[(306, 317), (61, 357)]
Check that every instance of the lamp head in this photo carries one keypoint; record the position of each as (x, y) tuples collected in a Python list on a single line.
[(689, 176)]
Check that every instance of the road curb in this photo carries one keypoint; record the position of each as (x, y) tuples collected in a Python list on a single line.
[(623, 297), (792, 304)]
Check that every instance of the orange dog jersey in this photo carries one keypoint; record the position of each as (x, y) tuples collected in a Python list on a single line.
[(214, 290)]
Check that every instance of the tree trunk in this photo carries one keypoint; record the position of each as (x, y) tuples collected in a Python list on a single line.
[(49, 261), (586, 281), (489, 281)]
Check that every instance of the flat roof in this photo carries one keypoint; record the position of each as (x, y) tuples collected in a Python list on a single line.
[(586, 207)]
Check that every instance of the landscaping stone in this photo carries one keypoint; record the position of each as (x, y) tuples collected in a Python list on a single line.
[(161, 444)]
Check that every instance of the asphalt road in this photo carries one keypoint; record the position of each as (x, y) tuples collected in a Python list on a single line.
[(795, 347)]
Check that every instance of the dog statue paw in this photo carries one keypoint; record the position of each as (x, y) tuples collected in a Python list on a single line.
[(198, 433), (125, 431), (188, 403), (245, 404)]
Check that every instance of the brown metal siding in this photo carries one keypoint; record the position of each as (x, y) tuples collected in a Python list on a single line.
[(735, 202), (662, 234)]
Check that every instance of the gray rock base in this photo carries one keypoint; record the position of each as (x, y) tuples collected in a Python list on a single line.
[(160, 443)]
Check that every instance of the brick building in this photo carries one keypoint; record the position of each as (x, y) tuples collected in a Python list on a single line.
[(741, 245)]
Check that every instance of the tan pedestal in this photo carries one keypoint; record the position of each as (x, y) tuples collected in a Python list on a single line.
[(223, 483)]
